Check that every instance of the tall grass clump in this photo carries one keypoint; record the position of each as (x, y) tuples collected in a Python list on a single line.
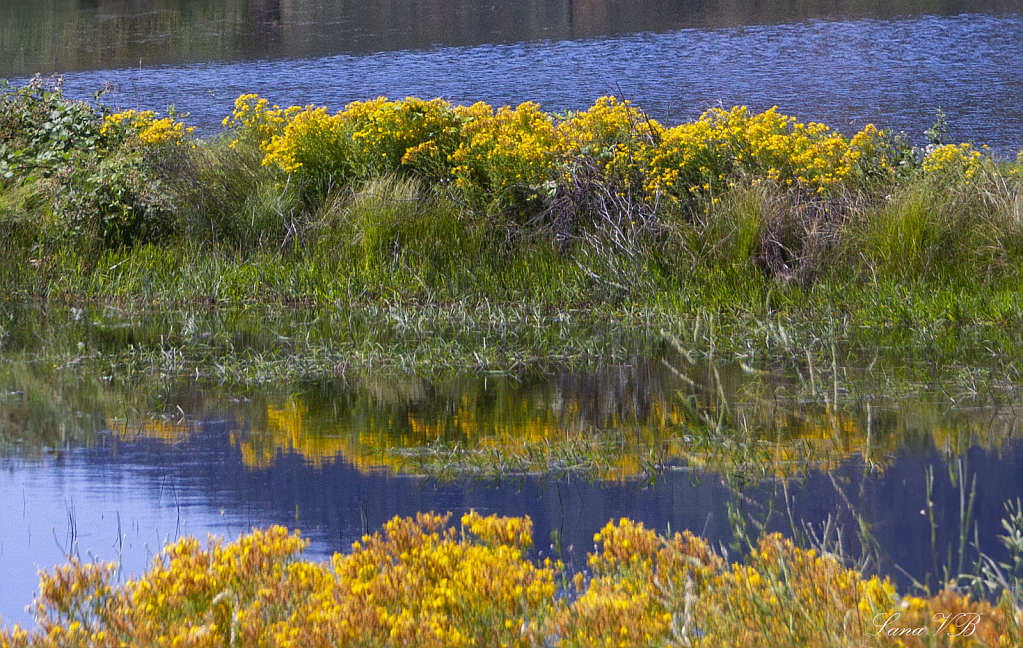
[(224, 198), (928, 229)]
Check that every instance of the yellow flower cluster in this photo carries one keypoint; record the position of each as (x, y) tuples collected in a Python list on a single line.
[(423, 583), (512, 149), (420, 584), (311, 139), (150, 130), (254, 117), (365, 139), (513, 154), (495, 531), (626, 602), (413, 134), (795, 595), (951, 159), (608, 130), (765, 146)]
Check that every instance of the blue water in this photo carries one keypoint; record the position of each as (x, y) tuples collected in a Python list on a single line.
[(894, 73), (122, 499)]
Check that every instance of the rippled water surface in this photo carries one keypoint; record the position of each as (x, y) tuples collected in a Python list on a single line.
[(844, 63)]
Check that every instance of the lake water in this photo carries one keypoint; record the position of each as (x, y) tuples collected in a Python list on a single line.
[(843, 63), (97, 464), (91, 468)]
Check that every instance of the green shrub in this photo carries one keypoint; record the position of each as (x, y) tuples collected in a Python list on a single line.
[(41, 130)]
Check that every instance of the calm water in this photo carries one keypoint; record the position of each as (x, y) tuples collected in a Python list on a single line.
[(844, 63), (85, 469)]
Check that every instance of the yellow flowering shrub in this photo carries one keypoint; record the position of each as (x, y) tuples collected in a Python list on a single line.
[(189, 597), (254, 119), (648, 591), (953, 160), (684, 162), (496, 531), (509, 154), (412, 134), (613, 133), (794, 595), (997, 626), (769, 146), (867, 155), (151, 131), (367, 138), (313, 143), (15, 637), (784, 149), (513, 157), (626, 600), (420, 584), (424, 583)]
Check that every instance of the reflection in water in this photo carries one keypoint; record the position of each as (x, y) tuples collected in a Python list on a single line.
[(67, 35), (265, 12), (327, 458), (641, 419), (265, 19)]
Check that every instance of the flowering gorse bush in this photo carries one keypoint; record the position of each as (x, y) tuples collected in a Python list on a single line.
[(513, 157), (952, 161), (424, 583), (151, 131)]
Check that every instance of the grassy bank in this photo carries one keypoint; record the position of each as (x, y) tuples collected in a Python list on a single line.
[(511, 238), (424, 583)]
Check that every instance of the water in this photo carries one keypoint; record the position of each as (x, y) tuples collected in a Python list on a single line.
[(130, 467), (74, 35), (156, 492), (845, 64)]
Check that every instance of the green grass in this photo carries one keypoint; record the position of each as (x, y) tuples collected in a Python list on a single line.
[(400, 270)]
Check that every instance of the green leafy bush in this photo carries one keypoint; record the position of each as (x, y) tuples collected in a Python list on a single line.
[(41, 130), (94, 169)]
